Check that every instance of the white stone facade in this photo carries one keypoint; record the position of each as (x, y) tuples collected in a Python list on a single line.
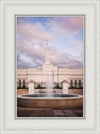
[(40, 74)]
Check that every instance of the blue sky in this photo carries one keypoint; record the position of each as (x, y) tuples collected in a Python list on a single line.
[(65, 35)]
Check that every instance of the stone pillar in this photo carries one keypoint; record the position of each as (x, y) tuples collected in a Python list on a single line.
[(31, 87), (73, 83), (21, 83), (65, 87)]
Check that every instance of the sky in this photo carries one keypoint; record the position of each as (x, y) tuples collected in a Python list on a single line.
[(65, 40)]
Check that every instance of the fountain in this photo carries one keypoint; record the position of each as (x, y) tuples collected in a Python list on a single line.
[(50, 100), (49, 86)]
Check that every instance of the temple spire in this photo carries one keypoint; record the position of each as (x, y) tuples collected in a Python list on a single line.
[(47, 57), (47, 42)]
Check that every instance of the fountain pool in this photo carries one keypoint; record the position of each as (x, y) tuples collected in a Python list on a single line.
[(55, 101)]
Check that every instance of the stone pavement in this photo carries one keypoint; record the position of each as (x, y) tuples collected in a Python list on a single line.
[(39, 112)]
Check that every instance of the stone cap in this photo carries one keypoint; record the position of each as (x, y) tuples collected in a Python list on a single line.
[(31, 81), (65, 81)]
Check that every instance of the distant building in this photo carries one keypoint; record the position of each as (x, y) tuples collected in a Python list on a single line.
[(40, 75)]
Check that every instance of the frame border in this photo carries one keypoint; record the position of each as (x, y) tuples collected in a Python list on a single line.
[(96, 130)]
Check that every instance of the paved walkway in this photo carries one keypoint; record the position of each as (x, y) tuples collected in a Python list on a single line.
[(38, 112)]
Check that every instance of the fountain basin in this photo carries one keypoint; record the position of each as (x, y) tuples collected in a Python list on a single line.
[(57, 101)]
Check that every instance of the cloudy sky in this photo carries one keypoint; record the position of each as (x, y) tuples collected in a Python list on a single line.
[(65, 39)]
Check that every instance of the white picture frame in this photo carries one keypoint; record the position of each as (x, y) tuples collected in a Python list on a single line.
[(11, 125)]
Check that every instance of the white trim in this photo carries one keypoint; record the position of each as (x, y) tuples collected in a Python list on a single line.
[(10, 125)]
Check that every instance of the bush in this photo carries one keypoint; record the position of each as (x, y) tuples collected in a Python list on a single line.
[(41, 91), (57, 87), (75, 88), (54, 91), (39, 87)]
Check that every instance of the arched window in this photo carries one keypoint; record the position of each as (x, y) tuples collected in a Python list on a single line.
[(19, 83), (71, 83), (24, 84), (79, 83)]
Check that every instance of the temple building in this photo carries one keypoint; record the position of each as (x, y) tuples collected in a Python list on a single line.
[(40, 75)]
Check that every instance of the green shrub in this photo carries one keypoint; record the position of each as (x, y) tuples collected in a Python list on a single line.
[(54, 91), (75, 88), (41, 91)]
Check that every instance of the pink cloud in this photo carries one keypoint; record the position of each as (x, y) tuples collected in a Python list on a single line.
[(76, 23), (33, 48), (36, 31), (70, 25)]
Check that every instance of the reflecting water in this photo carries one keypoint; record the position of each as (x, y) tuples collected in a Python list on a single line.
[(54, 95)]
